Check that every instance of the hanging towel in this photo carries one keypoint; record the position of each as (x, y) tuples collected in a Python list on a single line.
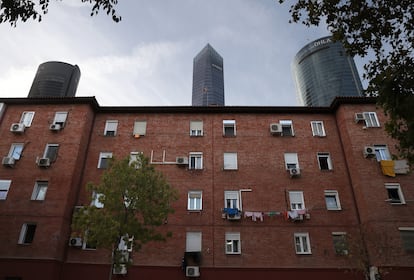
[(257, 215), (387, 167), (293, 214)]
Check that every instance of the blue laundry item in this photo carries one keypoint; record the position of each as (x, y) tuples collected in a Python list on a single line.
[(231, 211)]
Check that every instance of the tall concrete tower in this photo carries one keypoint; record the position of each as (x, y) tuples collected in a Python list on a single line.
[(208, 78), (322, 70)]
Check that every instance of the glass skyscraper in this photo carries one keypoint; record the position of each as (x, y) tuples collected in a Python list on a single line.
[(322, 70), (208, 78)]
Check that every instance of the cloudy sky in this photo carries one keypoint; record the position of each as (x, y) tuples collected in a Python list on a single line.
[(147, 58)]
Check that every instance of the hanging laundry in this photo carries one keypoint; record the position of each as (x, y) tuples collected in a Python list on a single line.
[(387, 167)]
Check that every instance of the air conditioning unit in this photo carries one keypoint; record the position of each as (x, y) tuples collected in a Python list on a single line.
[(192, 271), (181, 160), (369, 151), (294, 172), (359, 117), (275, 128), (120, 269), (43, 162), (75, 242), (17, 127), (55, 127), (8, 161)]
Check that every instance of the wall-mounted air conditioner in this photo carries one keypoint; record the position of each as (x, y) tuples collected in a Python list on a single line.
[(275, 128), (17, 127), (75, 242), (43, 162), (369, 151), (294, 172), (8, 161), (120, 269), (55, 127), (181, 160), (192, 271)]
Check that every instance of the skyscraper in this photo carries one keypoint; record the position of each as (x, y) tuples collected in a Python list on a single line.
[(322, 70), (208, 81), (55, 78)]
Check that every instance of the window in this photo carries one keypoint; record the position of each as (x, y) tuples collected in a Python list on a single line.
[(371, 119), (195, 200), (4, 188), (287, 128), (51, 152), (229, 128), (196, 161), (233, 244), (231, 200), (27, 233), (16, 150), (291, 160), (140, 128), (104, 159), (296, 200), (395, 195), (196, 128), (135, 159), (39, 190), (332, 200), (193, 242), (110, 128), (88, 242), (324, 161), (381, 152), (27, 118), (407, 237), (318, 128), (230, 161), (96, 200), (302, 243), (340, 243), (60, 118)]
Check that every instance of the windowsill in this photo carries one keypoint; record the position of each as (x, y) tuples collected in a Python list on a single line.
[(233, 254), (397, 204), (196, 135), (303, 254), (229, 136), (195, 169), (336, 209), (194, 210), (230, 169)]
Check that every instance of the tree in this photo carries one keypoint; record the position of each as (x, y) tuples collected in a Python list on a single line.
[(385, 30), (133, 201), (12, 10)]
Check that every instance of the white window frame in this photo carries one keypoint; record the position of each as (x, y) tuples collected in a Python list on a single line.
[(27, 118), (296, 200), (302, 243), (48, 149), (24, 232), (318, 128), (40, 190), (397, 187), (104, 155), (407, 238), (16, 150), (232, 199), (135, 159), (196, 128), (195, 200), (111, 127), (195, 160), (371, 119), (382, 152), (230, 161), (60, 118), (95, 200), (140, 128), (335, 195), (287, 125), (340, 243), (291, 160), (327, 156), (227, 126), (232, 243), (4, 188), (193, 241)]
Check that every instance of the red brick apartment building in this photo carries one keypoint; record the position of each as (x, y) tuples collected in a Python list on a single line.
[(265, 192)]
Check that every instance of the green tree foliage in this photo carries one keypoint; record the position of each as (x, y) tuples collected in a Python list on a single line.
[(136, 201), (384, 30), (12, 11)]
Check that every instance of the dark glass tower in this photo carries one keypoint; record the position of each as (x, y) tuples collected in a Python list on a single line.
[(322, 70), (55, 78), (208, 79)]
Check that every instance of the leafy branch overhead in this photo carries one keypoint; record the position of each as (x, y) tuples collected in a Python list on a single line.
[(384, 31), (12, 11), (133, 201)]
